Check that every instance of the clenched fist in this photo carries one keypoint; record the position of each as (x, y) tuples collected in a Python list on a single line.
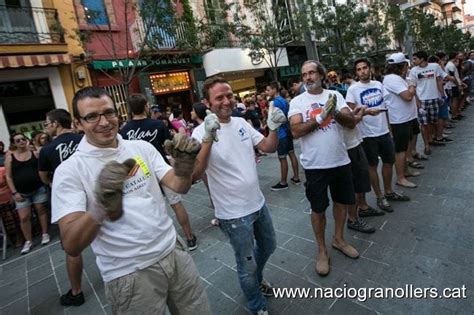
[(109, 189), (183, 150)]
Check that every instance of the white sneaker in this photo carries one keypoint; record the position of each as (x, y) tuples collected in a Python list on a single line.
[(45, 239), (26, 247)]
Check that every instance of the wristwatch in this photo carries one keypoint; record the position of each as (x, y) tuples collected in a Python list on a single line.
[(14, 193)]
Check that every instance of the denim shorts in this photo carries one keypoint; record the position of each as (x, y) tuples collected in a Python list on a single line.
[(38, 196), (285, 146)]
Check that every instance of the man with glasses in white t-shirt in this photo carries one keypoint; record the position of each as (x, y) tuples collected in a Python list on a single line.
[(317, 117)]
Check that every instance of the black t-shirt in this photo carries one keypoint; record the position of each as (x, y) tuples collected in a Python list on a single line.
[(252, 115), (150, 130), (58, 151)]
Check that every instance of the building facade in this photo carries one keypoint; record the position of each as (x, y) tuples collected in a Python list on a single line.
[(41, 64)]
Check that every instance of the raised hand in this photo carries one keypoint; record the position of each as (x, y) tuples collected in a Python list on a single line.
[(211, 125), (328, 109), (183, 150), (275, 118)]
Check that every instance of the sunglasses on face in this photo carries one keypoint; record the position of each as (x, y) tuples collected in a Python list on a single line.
[(18, 140)]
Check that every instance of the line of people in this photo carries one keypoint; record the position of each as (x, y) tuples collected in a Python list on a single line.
[(111, 192)]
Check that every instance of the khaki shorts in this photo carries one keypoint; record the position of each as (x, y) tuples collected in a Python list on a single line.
[(172, 197), (173, 281)]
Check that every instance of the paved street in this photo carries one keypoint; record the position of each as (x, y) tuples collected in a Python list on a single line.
[(428, 242)]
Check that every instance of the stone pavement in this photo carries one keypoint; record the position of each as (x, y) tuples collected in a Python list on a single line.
[(428, 242)]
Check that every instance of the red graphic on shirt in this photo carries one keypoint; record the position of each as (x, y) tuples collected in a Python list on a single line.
[(315, 112)]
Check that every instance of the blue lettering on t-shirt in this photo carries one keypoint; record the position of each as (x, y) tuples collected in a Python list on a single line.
[(371, 97)]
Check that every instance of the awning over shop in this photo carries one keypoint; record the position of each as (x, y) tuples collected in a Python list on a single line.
[(34, 60)]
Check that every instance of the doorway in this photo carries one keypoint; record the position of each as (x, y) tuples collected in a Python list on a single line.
[(169, 100), (25, 104)]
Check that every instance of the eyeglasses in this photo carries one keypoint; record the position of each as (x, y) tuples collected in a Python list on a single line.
[(18, 140), (95, 117), (47, 123)]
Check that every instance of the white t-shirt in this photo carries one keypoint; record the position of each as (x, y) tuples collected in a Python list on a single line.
[(232, 169), (352, 137), (324, 147), (371, 95), (426, 80), (399, 110), (145, 233), (451, 69)]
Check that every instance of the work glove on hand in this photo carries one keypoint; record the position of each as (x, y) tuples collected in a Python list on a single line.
[(109, 190), (211, 124), (183, 150), (275, 118), (328, 109)]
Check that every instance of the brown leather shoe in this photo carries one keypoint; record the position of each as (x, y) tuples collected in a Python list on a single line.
[(322, 266), (347, 250)]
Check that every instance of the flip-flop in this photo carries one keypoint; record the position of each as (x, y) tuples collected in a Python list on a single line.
[(418, 156), (414, 174), (406, 186), (415, 164)]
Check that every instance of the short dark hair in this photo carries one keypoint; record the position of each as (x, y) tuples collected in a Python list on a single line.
[(361, 60), (421, 55), (440, 55), (452, 55), (292, 81), (200, 110), (433, 59), (274, 85), (394, 68), (177, 111), (88, 92), (61, 116), (137, 103), (209, 83)]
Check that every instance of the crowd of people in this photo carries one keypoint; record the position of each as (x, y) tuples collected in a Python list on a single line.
[(109, 191)]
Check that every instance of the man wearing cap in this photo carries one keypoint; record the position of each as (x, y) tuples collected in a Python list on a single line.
[(317, 117), (375, 132), (155, 112), (402, 114), (425, 77)]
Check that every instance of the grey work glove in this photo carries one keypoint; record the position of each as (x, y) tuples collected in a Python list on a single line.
[(109, 190), (328, 109), (211, 124), (275, 118), (183, 150)]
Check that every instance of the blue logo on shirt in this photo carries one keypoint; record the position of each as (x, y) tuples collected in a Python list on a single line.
[(371, 97), (243, 134)]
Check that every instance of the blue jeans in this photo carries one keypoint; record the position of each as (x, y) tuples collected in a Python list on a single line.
[(251, 255)]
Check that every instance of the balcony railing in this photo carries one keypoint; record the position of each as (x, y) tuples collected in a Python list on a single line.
[(30, 25), (173, 36)]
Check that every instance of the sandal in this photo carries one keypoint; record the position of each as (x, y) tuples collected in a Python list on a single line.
[(409, 185), (418, 156), (415, 164)]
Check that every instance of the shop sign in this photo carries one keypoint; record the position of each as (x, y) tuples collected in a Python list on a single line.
[(290, 71), (140, 63), (163, 83)]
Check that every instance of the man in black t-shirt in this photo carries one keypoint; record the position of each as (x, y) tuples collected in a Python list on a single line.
[(154, 131), (58, 126), (150, 130)]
